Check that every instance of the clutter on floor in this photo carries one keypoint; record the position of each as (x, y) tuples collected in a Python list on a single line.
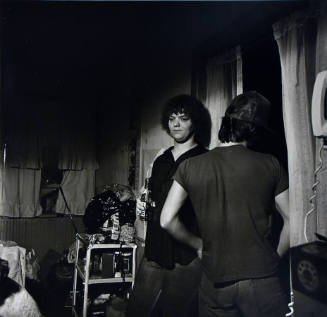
[(104, 258)]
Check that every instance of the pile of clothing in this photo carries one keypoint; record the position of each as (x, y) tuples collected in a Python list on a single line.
[(112, 213)]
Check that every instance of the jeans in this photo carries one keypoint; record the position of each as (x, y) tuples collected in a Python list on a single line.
[(176, 289), (247, 298)]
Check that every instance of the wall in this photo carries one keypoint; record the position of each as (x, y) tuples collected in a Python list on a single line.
[(114, 131), (42, 234), (113, 152)]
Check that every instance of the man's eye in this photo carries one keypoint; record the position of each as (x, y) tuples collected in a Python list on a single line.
[(185, 118)]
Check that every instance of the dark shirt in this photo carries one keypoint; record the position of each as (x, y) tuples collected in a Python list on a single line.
[(160, 247), (233, 192)]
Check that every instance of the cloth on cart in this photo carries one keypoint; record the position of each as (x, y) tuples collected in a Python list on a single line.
[(15, 300), (15, 255)]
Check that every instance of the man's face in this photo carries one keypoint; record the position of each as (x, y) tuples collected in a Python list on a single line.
[(180, 127)]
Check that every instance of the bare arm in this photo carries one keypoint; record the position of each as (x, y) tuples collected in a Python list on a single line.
[(282, 205), (169, 218)]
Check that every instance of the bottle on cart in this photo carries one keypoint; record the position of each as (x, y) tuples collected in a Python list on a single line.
[(146, 198)]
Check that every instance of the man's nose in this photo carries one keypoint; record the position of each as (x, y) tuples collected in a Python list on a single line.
[(176, 123)]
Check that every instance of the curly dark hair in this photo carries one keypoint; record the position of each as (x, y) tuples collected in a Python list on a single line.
[(192, 107)]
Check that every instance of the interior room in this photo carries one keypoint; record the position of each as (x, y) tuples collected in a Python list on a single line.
[(83, 84)]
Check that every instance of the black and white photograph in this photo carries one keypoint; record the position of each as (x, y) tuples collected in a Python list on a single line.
[(163, 158)]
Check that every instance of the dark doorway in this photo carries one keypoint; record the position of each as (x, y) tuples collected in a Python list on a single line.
[(262, 72)]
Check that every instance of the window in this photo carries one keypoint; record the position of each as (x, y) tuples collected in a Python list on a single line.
[(51, 178)]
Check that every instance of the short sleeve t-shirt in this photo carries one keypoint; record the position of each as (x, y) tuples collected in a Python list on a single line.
[(232, 190), (160, 246)]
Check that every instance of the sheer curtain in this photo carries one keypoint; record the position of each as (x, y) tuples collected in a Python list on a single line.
[(30, 125), (77, 158), (20, 188), (78, 188), (224, 81), (20, 165), (297, 53)]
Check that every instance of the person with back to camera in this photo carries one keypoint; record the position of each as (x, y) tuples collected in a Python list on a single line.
[(234, 192), (169, 272)]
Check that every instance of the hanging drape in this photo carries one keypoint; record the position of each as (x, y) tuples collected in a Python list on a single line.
[(20, 188), (224, 81), (321, 65), (78, 189), (29, 127), (20, 174), (77, 159), (297, 52)]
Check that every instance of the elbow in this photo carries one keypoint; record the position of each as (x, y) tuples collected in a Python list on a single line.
[(164, 223)]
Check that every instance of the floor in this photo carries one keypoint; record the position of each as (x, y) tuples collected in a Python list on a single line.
[(55, 302), (307, 306), (51, 297)]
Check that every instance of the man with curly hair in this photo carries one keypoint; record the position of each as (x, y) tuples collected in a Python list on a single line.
[(169, 273)]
